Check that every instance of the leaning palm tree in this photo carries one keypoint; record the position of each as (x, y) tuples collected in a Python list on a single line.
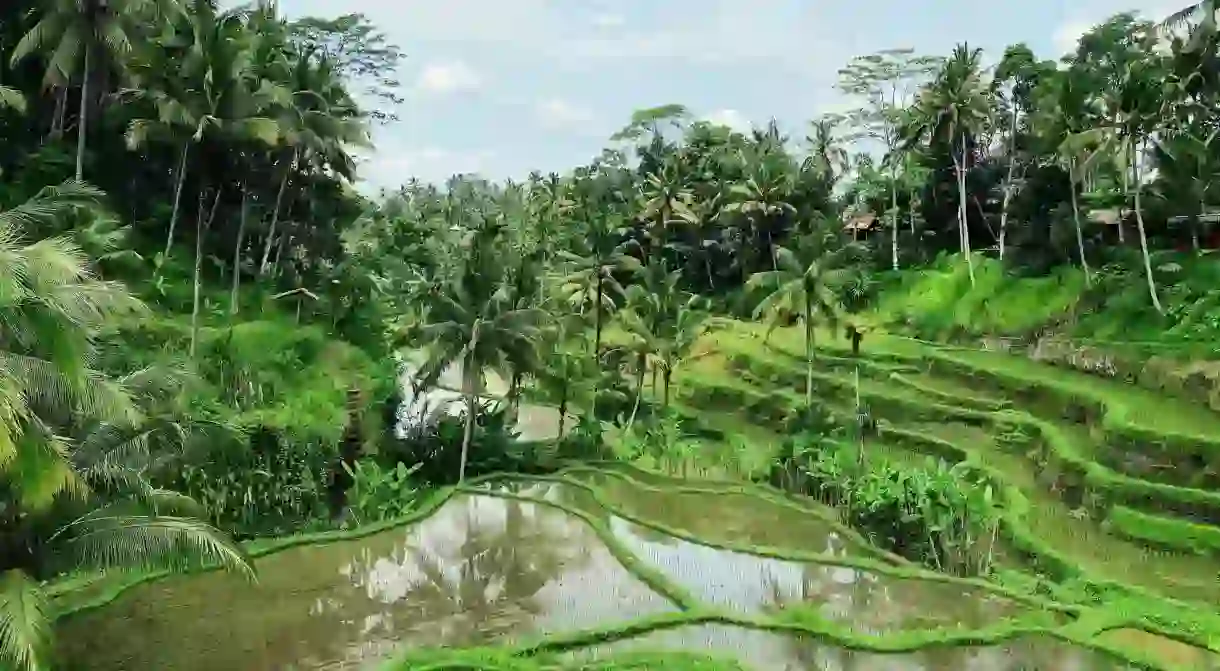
[(73, 491), (469, 319), (808, 281)]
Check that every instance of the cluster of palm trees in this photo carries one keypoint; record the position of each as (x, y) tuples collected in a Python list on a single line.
[(1038, 146), (77, 446), (583, 281), (237, 120), (218, 116)]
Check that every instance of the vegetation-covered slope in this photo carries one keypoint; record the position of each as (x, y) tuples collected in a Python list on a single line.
[(702, 300)]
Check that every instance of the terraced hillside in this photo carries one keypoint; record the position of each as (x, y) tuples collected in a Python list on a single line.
[(614, 568), (1108, 558)]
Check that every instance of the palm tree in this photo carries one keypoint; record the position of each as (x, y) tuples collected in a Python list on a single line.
[(1065, 113), (665, 199), (952, 111), (664, 324), (469, 319), (80, 38), (763, 198), (66, 504), (317, 123), (808, 281), (590, 282), (1203, 12), (232, 102)]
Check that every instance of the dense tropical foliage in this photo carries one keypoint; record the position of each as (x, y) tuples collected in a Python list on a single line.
[(191, 285)]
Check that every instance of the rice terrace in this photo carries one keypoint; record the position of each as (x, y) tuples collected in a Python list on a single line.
[(930, 383)]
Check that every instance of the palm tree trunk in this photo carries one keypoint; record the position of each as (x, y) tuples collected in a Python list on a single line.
[(57, 118), (666, 376), (563, 401), (83, 123), (202, 224), (241, 234), (472, 375), (181, 179), (961, 210), (597, 320), (1139, 223), (275, 218), (808, 354), (1084, 262), (894, 216), (467, 432), (639, 390), (1126, 192), (911, 212), (1008, 184)]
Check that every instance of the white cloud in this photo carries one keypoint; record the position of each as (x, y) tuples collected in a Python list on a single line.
[(608, 20), (559, 112), (391, 167), (450, 77), (731, 118)]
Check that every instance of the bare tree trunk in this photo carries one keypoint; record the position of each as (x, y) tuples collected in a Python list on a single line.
[(1139, 222), (83, 123), (960, 166), (181, 179), (202, 224), (1084, 262), (241, 234), (275, 217)]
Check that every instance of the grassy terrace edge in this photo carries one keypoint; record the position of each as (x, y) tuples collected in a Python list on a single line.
[(1081, 630)]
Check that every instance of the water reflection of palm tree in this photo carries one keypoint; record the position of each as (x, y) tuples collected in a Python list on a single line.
[(499, 572), (818, 586)]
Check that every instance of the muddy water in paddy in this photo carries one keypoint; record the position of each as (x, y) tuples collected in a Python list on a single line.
[(864, 601), (482, 569), (769, 651), (728, 517), (486, 569)]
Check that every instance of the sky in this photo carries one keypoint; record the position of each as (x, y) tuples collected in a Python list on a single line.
[(503, 87)]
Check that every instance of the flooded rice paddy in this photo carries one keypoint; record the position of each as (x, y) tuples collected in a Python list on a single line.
[(486, 570)]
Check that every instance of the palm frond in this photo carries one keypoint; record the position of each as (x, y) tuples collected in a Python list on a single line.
[(25, 622), (109, 539)]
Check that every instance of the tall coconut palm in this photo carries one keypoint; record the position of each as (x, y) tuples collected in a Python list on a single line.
[(590, 283), (952, 111), (232, 101), (80, 39), (469, 319), (665, 199), (72, 504), (317, 122), (808, 281), (1066, 110)]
